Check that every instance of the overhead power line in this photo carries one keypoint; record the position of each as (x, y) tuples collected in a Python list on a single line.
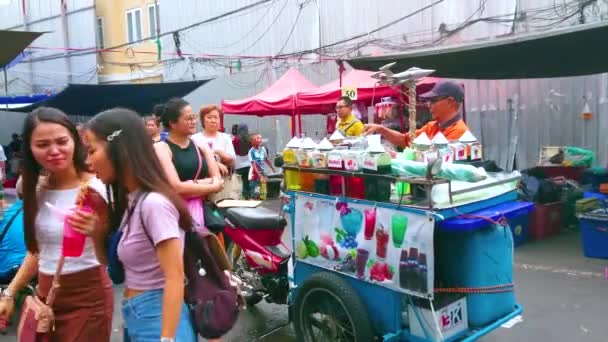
[(185, 28)]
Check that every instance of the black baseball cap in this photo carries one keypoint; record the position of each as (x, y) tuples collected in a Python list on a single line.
[(445, 88)]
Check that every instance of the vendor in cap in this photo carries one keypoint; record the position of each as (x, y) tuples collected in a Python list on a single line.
[(445, 100)]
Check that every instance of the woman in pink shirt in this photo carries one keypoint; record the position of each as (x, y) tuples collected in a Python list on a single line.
[(152, 218)]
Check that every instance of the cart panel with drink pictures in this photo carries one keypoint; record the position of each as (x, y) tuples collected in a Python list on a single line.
[(365, 269)]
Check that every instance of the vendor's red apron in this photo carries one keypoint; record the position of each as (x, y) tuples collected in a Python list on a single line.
[(83, 306)]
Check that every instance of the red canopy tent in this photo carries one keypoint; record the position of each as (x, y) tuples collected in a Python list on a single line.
[(281, 98), (323, 100)]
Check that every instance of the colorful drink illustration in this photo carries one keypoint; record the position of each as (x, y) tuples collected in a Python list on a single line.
[(403, 269), (370, 224), (413, 271), (380, 270), (399, 225), (422, 273), (361, 262), (381, 243), (352, 222)]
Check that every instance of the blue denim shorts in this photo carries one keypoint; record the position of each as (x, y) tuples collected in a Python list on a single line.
[(142, 317)]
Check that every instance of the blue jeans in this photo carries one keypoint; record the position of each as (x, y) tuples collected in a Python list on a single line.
[(142, 317)]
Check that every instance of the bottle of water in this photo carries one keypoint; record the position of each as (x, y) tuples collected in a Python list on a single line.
[(263, 190)]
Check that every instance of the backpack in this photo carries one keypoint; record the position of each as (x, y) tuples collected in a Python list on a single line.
[(212, 300)]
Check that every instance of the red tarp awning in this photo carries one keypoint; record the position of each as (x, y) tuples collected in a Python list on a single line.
[(279, 99), (324, 99)]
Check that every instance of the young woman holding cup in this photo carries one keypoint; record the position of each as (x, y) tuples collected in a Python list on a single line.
[(152, 218), (84, 305)]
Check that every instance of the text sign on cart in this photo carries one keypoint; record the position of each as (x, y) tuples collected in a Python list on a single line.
[(389, 247)]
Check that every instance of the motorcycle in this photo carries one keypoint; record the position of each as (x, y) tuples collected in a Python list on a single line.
[(258, 256)]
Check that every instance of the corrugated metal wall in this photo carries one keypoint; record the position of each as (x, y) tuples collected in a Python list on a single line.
[(549, 114)]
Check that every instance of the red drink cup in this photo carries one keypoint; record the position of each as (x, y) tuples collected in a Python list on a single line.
[(73, 241)]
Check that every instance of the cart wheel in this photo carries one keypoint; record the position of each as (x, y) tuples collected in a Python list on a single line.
[(327, 308), (239, 268)]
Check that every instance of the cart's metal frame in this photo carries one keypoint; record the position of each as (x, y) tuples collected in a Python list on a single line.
[(428, 184)]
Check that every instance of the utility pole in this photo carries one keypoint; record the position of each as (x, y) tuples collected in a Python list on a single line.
[(26, 27), (66, 39), (158, 46), (5, 85), (319, 28)]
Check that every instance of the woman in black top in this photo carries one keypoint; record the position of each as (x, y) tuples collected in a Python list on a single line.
[(178, 154)]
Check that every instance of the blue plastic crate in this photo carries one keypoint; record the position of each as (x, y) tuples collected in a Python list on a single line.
[(594, 234), (594, 195), (471, 252), (477, 220), (516, 213)]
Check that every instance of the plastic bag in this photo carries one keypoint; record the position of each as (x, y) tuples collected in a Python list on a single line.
[(576, 156), (461, 172), (457, 172), (408, 168)]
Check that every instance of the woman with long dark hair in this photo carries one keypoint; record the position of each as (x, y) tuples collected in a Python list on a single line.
[(190, 167), (83, 306), (152, 217), (242, 164)]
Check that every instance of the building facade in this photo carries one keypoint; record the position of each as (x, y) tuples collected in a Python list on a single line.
[(125, 23)]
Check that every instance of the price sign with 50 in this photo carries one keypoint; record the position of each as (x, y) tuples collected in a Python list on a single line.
[(351, 92)]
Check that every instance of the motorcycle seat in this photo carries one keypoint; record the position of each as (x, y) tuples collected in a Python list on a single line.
[(255, 218)]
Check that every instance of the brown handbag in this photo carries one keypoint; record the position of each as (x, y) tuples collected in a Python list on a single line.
[(37, 317)]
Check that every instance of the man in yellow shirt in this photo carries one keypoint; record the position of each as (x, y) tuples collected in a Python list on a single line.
[(348, 124)]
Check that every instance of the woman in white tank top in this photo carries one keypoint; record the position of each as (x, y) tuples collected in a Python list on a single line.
[(83, 304)]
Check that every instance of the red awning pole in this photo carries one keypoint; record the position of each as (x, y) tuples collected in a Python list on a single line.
[(341, 70), (293, 124), (222, 129)]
